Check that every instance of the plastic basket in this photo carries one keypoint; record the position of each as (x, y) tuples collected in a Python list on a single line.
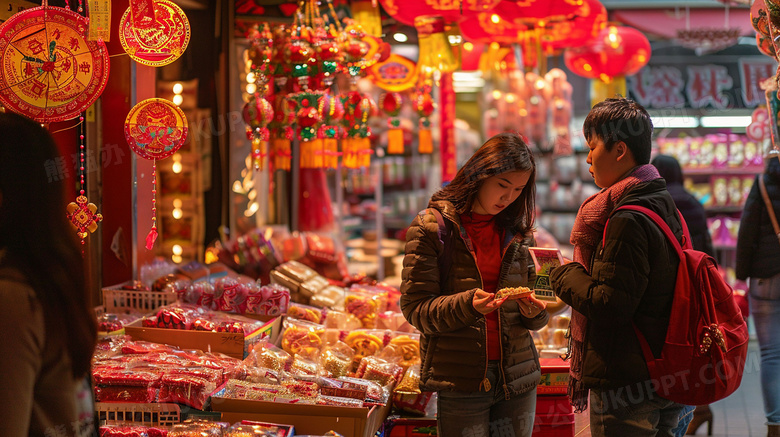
[(126, 301), (118, 413)]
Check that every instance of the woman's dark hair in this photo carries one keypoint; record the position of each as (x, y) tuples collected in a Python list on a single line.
[(503, 153), (615, 120), (39, 240), (669, 169)]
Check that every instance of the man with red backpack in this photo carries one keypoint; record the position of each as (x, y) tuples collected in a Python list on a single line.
[(620, 278)]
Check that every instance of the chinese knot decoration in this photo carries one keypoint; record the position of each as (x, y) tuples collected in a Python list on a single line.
[(423, 104), (391, 105)]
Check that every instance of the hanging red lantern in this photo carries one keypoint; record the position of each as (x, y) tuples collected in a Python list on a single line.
[(406, 11), (561, 23), (489, 27), (616, 51), (391, 105)]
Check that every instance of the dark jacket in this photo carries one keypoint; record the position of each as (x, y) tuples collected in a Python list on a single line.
[(632, 281), (453, 344), (692, 210), (758, 251)]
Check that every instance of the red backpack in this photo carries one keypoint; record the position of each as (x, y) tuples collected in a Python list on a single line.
[(706, 343)]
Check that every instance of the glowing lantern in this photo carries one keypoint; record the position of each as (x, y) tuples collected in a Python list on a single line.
[(613, 54), (366, 12), (435, 51), (407, 11)]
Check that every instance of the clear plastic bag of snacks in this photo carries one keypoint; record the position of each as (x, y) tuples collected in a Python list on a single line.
[(379, 370), (336, 360), (306, 312), (235, 389), (365, 342), (403, 349), (365, 303), (410, 383), (299, 336), (269, 356), (268, 300)]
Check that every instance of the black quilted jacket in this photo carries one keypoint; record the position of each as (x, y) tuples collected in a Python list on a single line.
[(758, 251), (632, 280), (453, 342)]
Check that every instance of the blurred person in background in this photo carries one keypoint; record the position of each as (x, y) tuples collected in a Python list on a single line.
[(46, 317), (758, 258)]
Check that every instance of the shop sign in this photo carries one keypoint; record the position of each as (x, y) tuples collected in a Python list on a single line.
[(700, 86)]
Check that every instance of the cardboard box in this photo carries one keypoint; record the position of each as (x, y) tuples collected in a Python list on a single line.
[(228, 343), (307, 419)]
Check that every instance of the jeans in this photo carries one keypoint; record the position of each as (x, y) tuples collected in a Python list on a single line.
[(486, 413), (632, 411), (686, 415), (765, 310)]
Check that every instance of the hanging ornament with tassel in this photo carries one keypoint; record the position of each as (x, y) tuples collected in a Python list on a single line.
[(391, 105)]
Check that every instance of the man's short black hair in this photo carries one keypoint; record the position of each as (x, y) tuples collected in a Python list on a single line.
[(615, 120)]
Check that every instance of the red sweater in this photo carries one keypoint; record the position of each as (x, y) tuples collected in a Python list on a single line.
[(486, 240)]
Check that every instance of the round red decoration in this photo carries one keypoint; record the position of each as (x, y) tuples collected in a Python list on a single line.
[(155, 128), (616, 51), (50, 72), (162, 41), (258, 112)]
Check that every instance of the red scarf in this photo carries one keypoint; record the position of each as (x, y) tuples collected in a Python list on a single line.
[(586, 234)]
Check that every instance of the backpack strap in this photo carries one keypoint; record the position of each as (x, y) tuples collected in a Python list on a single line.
[(661, 223)]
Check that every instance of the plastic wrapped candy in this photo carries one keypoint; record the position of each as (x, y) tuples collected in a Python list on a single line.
[(200, 293), (305, 312), (235, 389), (403, 349), (268, 300), (379, 370), (301, 337), (339, 401), (271, 357), (336, 360), (364, 343), (410, 383)]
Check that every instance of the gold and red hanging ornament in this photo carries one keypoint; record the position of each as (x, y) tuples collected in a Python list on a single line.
[(82, 214), (366, 13), (154, 32), (615, 53), (155, 129), (259, 54), (331, 112), (390, 103), (356, 146), (328, 55), (424, 106), (50, 72), (435, 52), (360, 51), (257, 114), (307, 118), (282, 132)]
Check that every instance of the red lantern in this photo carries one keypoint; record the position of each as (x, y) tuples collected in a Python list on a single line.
[(616, 51), (489, 27), (406, 11), (562, 23)]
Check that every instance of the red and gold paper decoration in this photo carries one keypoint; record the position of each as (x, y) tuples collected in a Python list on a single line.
[(155, 129), (50, 72), (83, 216), (423, 104), (395, 74), (154, 32), (331, 112), (390, 103)]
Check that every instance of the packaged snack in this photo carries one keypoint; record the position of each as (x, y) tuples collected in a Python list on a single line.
[(301, 387), (706, 153), (403, 349), (268, 300), (321, 248), (720, 194), (236, 389), (364, 343), (337, 401), (200, 293), (313, 285), (735, 191), (736, 151), (720, 156), (305, 312), (364, 306), (305, 366), (301, 336), (410, 383), (331, 296), (336, 360), (379, 370), (342, 321), (271, 357)]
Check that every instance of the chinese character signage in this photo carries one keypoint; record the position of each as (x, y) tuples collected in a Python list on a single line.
[(702, 86)]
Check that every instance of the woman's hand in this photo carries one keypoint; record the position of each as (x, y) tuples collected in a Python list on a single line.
[(485, 302), (530, 306)]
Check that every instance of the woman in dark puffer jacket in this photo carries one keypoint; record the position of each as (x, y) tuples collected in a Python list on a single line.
[(472, 241)]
